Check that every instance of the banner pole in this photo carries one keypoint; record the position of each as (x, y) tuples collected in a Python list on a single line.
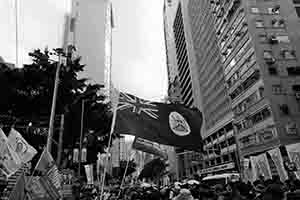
[(108, 149), (124, 176), (54, 98), (17, 32), (81, 137)]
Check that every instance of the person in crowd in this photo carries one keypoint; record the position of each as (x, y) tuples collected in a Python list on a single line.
[(274, 191), (184, 194)]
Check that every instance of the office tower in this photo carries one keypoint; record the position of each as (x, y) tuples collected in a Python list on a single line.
[(90, 31), (251, 48)]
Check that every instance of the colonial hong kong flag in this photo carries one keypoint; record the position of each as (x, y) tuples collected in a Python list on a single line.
[(170, 124)]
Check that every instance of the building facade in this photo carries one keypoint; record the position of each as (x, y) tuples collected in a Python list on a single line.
[(245, 59), (189, 34), (259, 42), (89, 30)]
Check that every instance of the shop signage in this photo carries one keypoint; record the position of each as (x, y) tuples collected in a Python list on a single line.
[(217, 168)]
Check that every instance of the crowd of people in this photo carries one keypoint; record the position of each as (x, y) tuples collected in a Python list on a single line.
[(272, 189)]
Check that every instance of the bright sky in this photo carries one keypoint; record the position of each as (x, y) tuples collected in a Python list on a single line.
[(139, 65)]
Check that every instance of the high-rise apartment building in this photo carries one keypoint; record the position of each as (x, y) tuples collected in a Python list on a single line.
[(90, 31), (198, 75), (247, 60), (260, 44)]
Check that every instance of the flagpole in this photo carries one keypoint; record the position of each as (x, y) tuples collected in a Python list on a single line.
[(109, 141), (124, 176), (81, 136), (52, 115), (37, 164), (17, 33)]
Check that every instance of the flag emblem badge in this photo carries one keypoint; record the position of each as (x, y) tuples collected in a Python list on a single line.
[(178, 124)]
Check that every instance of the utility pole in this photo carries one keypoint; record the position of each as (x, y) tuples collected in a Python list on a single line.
[(53, 107)]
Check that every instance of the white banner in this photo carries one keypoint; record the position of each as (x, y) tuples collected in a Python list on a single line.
[(75, 155), (294, 155), (89, 174), (84, 155), (260, 166), (24, 150), (278, 161), (248, 174), (9, 160), (115, 153)]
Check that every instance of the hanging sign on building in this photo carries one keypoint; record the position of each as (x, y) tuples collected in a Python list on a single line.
[(218, 168)]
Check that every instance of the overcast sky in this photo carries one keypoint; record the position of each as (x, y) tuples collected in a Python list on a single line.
[(138, 40)]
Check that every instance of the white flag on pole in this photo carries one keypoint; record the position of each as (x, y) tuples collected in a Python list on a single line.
[(24, 150), (9, 160)]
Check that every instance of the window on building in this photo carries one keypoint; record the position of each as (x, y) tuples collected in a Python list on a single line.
[(231, 141), (223, 145), (261, 92), (276, 89), (260, 116), (207, 163), (266, 135), (296, 88), (273, 71), (288, 54), (226, 158), (213, 162), (232, 157), (277, 23), (283, 38), (222, 43), (291, 128), (298, 11), (268, 56), (255, 76), (293, 71), (266, 113), (218, 160), (263, 37), (254, 10), (284, 108), (248, 140), (259, 23), (256, 118), (214, 136), (296, 1)]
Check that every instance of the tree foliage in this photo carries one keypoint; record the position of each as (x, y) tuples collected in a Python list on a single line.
[(27, 95)]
